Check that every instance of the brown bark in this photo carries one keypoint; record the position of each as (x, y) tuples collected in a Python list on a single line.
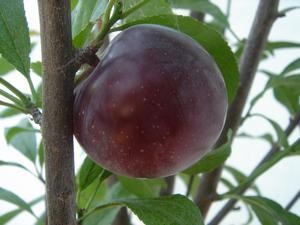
[(57, 128), (264, 18)]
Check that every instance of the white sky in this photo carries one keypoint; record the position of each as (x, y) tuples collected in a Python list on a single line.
[(280, 183)]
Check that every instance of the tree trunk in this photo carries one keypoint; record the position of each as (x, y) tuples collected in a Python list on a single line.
[(57, 122)]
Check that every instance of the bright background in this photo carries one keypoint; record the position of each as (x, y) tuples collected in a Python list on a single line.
[(280, 183)]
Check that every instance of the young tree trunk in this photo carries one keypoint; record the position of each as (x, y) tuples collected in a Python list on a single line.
[(57, 128)]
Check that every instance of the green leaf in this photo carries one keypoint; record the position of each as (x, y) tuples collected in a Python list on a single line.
[(9, 112), (295, 149), (206, 7), (12, 198), (281, 136), (168, 210), (103, 217), (286, 10), (266, 136), (276, 45), (23, 139), (14, 35), (240, 178), (287, 99), (86, 12), (37, 68), (211, 40), (5, 218), (294, 65), (210, 161), (82, 38), (269, 212), (4, 163), (5, 66), (142, 187), (151, 8), (90, 171)]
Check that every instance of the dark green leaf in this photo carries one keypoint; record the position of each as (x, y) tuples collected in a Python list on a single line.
[(5, 66), (286, 10), (90, 171), (294, 65), (5, 218), (208, 38), (295, 149), (210, 161), (9, 112), (23, 139), (276, 45), (169, 210), (142, 187), (268, 211), (12, 198), (287, 98), (37, 68), (86, 12), (206, 7), (151, 8), (14, 35)]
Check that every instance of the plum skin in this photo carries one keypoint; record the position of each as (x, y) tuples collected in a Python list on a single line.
[(153, 106)]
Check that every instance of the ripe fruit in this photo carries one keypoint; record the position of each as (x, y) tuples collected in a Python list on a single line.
[(154, 105)]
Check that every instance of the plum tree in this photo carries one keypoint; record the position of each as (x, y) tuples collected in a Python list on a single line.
[(154, 105)]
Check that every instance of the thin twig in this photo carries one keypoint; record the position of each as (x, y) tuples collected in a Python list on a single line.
[(293, 201), (265, 16), (168, 190), (274, 149)]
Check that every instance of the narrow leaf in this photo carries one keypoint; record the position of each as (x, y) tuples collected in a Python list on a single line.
[(12, 198), (14, 35), (5, 218), (294, 65), (269, 212)]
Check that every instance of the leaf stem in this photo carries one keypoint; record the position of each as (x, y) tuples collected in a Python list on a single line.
[(11, 97), (14, 90), (23, 110)]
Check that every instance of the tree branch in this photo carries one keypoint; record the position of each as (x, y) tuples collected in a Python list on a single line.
[(293, 201), (57, 121), (229, 205), (264, 18), (122, 217)]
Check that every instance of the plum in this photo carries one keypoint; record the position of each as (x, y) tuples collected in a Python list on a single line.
[(153, 106)]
